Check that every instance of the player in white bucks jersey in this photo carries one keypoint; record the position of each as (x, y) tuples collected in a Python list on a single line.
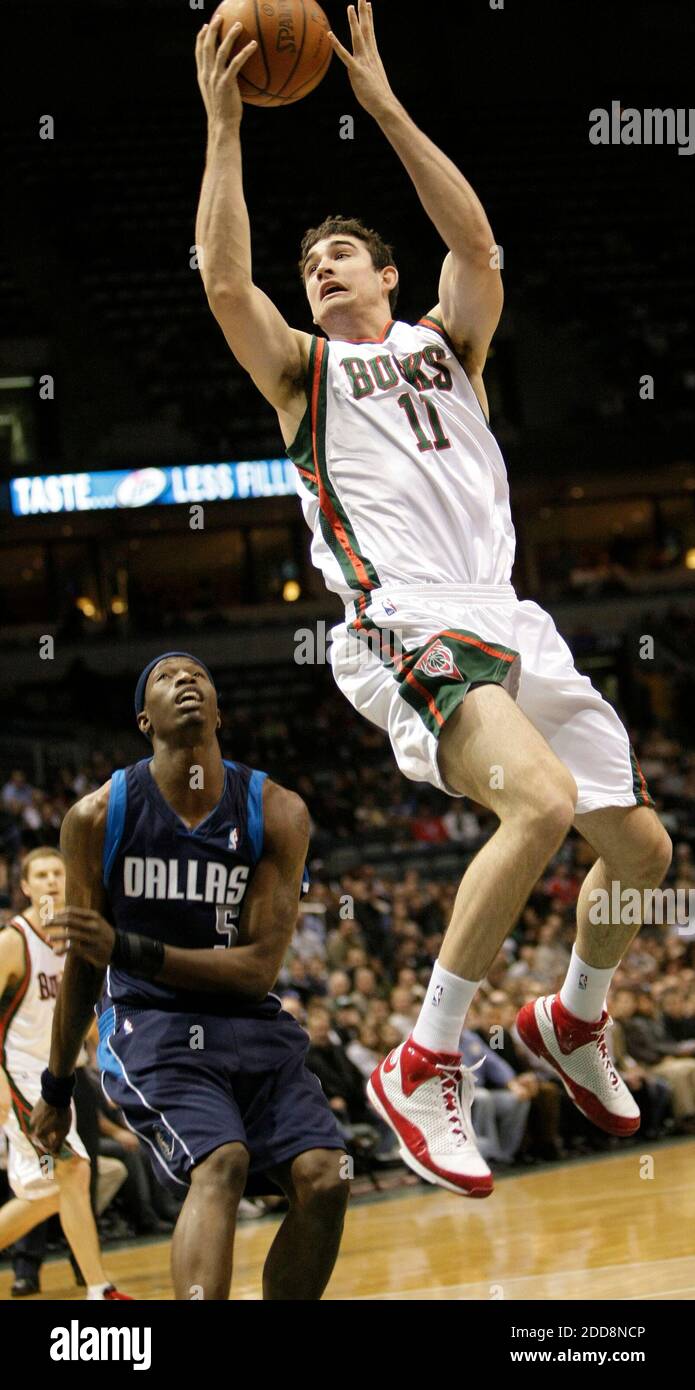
[(30, 975), (405, 490)]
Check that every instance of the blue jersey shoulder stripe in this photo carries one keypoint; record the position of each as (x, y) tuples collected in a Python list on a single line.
[(115, 820), (254, 813)]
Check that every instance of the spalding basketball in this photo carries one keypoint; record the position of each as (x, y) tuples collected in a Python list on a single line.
[(293, 48)]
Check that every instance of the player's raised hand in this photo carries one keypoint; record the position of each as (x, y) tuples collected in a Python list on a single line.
[(365, 68), (217, 74), (84, 933)]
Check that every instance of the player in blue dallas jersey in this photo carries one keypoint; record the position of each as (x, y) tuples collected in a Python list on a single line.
[(183, 879)]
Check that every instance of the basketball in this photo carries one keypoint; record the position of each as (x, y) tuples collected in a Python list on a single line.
[(293, 48)]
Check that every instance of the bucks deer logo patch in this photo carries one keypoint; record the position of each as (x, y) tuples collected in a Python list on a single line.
[(438, 661)]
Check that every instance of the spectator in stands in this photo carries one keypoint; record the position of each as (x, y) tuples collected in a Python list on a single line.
[(346, 936), (641, 964), (309, 937), (551, 958), (378, 1012), (316, 976), (365, 1050), (371, 917), (647, 1041), (677, 1008), (338, 984), (523, 968), (428, 828), (369, 816), (675, 953), (502, 1101), (349, 1014), (298, 980), (366, 984), (497, 1028), (390, 1037), (652, 1093), (461, 825), (404, 1011), (41, 821), (562, 885), (342, 1083), (17, 793)]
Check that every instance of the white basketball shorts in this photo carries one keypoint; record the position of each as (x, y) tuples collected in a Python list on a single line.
[(406, 657), (28, 1167)]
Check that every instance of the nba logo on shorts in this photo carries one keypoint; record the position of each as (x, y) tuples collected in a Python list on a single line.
[(388, 606), (437, 996), (233, 838), (583, 981)]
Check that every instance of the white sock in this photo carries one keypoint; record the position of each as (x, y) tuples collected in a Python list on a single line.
[(441, 1018), (585, 989), (97, 1290)]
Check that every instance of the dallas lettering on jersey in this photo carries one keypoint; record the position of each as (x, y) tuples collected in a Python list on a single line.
[(381, 372), (203, 881)]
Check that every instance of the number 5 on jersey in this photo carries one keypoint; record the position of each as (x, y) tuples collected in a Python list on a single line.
[(226, 926)]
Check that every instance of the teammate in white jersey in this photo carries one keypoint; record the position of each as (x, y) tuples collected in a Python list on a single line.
[(30, 975), (405, 490)]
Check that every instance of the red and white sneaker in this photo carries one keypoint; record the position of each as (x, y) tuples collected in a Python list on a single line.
[(578, 1052), (112, 1294), (426, 1098)]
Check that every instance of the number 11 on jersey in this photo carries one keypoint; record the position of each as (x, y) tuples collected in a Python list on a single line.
[(439, 439)]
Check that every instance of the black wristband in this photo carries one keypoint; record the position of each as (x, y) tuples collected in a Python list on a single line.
[(57, 1090), (137, 955)]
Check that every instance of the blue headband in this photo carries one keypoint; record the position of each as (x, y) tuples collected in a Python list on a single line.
[(142, 678)]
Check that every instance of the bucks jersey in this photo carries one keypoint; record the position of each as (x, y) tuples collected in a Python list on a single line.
[(183, 887), (26, 1013), (400, 478)]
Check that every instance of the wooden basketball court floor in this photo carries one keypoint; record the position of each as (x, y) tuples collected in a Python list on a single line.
[(596, 1229)]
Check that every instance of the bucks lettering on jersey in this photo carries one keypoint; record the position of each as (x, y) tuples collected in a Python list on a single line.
[(400, 478), (26, 1012), (183, 887)]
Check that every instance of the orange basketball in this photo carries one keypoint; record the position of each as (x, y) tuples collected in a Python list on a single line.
[(293, 49)]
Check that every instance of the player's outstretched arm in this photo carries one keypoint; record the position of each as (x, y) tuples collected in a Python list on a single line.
[(268, 915), (12, 967), (274, 355), (470, 288), (11, 959), (82, 843)]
